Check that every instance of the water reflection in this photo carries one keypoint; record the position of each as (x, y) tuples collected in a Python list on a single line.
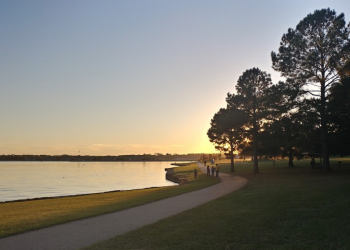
[(24, 180)]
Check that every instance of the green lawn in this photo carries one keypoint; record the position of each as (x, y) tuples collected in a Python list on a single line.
[(22, 216), (279, 208)]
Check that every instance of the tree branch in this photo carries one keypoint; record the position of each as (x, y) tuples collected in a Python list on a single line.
[(313, 94)]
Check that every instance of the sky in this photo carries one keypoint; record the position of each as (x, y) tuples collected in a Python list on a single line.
[(130, 77)]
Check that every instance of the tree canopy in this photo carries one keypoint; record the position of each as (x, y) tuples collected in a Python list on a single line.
[(227, 131), (307, 111), (314, 53), (252, 86)]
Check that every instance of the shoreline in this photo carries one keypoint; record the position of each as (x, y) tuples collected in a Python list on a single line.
[(84, 232), (77, 195), (61, 188), (27, 215)]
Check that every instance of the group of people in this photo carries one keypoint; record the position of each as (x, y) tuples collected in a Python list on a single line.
[(213, 170), (210, 170)]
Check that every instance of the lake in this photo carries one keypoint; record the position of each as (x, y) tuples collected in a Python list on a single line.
[(27, 180)]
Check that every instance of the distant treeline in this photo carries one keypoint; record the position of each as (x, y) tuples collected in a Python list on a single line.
[(143, 157)]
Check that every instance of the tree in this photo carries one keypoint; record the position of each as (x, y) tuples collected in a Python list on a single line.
[(283, 101), (313, 53), (339, 117), (251, 87), (227, 131)]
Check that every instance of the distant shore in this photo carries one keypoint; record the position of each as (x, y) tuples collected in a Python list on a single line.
[(108, 158)]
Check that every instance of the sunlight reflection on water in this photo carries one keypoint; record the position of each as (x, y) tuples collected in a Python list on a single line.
[(25, 180)]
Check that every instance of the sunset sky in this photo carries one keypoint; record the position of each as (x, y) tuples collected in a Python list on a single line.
[(130, 77)]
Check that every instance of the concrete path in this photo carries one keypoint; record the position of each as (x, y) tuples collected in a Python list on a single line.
[(82, 233)]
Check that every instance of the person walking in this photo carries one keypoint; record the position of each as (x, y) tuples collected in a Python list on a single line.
[(312, 162), (195, 173), (208, 171), (217, 170), (212, 170)]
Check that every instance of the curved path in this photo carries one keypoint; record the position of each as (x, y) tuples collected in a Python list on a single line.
[(82, 233)]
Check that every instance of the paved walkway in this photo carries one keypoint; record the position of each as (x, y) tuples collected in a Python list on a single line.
[(82, 233)]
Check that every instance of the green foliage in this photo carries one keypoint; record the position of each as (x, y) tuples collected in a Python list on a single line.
[(339, 117), (295, 115), (252, 88), (312, 51), (227, 131), (315, 53), (289, 125)]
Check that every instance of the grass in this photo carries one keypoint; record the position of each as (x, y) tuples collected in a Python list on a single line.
[(280, 208), (182, 164), (22, 216)]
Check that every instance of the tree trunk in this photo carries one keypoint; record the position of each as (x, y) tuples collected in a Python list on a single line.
[(324, 136), (232, 157), (290, 158), (232, 162), (256, 167), (255, 143)]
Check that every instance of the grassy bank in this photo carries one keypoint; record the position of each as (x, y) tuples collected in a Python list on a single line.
[(280, 208), (22, 216)]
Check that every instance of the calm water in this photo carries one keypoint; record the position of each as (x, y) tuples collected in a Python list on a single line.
[(24, 180)]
